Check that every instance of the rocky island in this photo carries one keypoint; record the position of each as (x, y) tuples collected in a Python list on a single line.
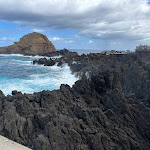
[(107, 109), (30, 44)]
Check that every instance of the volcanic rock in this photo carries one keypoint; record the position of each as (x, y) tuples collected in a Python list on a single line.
[(63, 52), (30, 44), (133, 70), (92, 115), (108, 109)]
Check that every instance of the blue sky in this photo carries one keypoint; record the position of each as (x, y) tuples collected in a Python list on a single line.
[(61, 38), (97, 25)]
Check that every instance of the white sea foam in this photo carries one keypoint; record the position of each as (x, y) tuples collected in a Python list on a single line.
[(35, 78), (8, 87), (29, 56), (55, 77), (10, 55)]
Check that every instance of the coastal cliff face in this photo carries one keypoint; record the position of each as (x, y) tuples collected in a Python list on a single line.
[(133, 69), (30, 44), (109, 108), (93, 114)]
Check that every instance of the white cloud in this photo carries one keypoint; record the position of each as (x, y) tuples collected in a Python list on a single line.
[(3, 38), (55, 38), (69, 41), (120, 20), (90, 42), (7, 39), (61, 40), (38, 30)]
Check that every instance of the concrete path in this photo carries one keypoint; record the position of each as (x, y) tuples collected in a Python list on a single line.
[(6, 144)]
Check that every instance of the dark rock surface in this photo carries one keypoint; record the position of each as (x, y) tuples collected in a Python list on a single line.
[(43, 61), (91, 115), (134, 73), (63, 52), (108, 109), (30, 44)]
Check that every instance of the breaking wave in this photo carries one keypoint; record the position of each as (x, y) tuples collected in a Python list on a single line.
[(18, 73)]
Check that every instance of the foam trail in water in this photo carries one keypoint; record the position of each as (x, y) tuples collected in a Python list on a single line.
[(28, 56), (23, 76), (53, 79)]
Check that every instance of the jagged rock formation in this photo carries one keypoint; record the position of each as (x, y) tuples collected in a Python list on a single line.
[(63, 52), (108, 109), (94, 114), (143, 53), (133, 69), (30, 44)]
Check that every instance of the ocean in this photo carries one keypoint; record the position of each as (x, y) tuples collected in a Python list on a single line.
[(85, 51), (18, 73)]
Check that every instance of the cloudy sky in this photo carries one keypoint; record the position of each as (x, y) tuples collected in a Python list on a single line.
[(78, 24)]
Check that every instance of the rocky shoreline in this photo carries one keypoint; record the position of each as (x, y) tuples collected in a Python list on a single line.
[(132, 69), (108, 108)]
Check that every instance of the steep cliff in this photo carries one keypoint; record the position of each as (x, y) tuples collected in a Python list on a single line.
[(108, 109), (92, 115), (32, 44)]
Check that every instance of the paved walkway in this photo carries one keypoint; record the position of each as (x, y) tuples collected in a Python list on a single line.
[(6, 144)]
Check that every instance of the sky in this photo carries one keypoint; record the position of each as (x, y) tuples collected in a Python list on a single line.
[(78, 24)]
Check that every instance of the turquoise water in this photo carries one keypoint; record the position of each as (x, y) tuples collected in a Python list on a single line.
[(18, 73)]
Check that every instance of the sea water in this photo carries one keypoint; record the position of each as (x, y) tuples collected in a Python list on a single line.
[(85, 51), (18, 73)]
